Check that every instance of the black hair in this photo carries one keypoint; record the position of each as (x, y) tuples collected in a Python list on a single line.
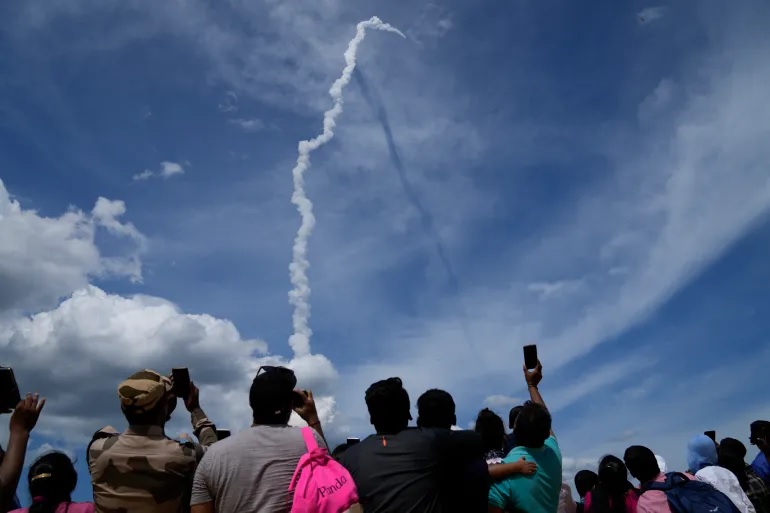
[(533, 425), (490, 426), (609, 496), (585, 481), (51, 480), (731, 454), (641, 463), (512, 416), (436, 409), (271, 395), (388, 405)]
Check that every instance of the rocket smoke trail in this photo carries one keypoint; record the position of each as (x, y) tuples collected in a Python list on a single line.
[(299, 296)]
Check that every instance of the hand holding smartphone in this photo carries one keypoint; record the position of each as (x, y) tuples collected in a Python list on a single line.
[(530, 356), (181, 377)]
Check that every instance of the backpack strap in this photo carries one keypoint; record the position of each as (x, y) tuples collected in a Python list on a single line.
[(310, 443)]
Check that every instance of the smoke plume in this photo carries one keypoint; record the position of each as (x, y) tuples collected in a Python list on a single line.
[(299, 296)]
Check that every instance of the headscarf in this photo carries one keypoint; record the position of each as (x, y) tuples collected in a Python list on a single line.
[(701, 452)]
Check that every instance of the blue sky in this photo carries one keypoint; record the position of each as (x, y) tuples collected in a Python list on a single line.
[(590, 178)]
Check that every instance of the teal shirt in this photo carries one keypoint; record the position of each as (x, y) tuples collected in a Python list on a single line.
[(531, 494)]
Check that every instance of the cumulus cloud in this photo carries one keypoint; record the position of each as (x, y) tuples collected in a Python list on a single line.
[(495, 402), (77, 354), (44, 258), (167, 170)]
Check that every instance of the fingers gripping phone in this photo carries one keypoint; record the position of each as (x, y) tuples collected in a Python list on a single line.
[(530, 356), (9, 390), (181, 382)]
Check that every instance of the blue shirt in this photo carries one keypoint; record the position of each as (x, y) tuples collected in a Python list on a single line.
[(761, 466), (538, 493)]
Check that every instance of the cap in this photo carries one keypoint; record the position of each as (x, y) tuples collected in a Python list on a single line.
[(272, 390), (144, 390)]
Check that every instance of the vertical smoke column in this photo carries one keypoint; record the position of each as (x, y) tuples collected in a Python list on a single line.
[(299, 296)]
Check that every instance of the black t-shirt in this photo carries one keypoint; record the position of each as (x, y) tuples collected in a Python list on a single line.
[(419, 471)]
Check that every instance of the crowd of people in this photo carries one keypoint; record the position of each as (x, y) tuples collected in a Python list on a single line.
[(429, 468)]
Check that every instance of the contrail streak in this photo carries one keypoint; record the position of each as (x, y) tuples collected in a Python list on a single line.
[(299, 296)]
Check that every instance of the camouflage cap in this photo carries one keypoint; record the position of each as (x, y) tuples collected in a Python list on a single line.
[(144, 390)]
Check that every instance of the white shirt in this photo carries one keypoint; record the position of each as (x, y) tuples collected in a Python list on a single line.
[(566, 502), (726, 482)]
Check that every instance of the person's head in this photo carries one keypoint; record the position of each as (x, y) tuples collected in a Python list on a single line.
[(731, 454), (512, 415), (436, 409), (388, 405), (533, 425), (272, 395), (51, 480), (760, 434), (608, 496), (641, 463), (585, 481), (701, 453), (490, 426), (147, 399)]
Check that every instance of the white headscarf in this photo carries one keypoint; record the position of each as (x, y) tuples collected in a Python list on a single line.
[(661, 464)]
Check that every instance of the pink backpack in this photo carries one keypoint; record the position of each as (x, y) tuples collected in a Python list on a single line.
[(320, 484)]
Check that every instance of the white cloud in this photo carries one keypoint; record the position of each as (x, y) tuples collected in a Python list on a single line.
[(44, 258), (501, 401), (229, 102), (143, 176), (249, 125), (169, 169), (556, 289), (650, 14)]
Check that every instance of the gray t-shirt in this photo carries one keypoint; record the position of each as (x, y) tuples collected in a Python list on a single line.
[(251, 471)]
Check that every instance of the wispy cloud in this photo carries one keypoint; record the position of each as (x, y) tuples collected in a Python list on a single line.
[(548, 290), (650, 14), (167, 170), (229, 103), (250, 125)]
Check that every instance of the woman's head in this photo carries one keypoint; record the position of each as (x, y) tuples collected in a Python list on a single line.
[(701, 453), (492, 430), (613, 472), (51, 480)]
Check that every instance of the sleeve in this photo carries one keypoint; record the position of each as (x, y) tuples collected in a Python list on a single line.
[(201, 493), (203, 428), (498, 494)]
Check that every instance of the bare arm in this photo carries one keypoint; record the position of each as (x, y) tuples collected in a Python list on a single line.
[(23, 421), (533, 379), (502, 470), (309, 414), (206, 507)]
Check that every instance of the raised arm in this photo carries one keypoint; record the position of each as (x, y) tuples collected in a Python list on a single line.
[(533, 378), (23, 421), (309, 413), (203, 428)]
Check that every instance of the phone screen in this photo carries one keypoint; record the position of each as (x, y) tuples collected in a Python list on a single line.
[(530, 356), (711, 434), (9, 390), (181, 382), (222, 434)]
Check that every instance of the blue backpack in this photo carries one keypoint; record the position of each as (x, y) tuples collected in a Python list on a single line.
[(692, 496)]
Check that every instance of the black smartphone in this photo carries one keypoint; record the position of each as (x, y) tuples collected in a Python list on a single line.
[(223, 433), (181, 382), (530, 356), (353, 441), (9, 390), (298, 399), (711, 434)]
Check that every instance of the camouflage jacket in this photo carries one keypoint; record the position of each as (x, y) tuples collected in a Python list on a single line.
[(144, 471)]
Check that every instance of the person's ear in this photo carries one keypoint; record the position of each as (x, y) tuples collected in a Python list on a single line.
[(454, 420)]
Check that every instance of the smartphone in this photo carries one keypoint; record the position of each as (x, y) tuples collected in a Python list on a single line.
[(223, 433), (353, 441), (9, 390), (530, 356), (298, 399), (181, 382), (711, 434)]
